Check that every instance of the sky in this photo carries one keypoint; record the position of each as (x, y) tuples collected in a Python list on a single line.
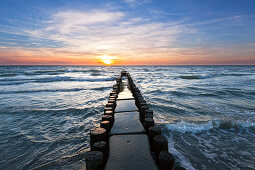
[(127, 32)]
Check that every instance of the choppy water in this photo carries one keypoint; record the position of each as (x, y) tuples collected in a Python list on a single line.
[(207, 113)]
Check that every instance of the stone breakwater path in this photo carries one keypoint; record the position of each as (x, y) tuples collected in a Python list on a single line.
[(127, 138)]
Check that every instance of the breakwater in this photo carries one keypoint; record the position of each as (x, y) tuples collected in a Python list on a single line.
[(128, 137)]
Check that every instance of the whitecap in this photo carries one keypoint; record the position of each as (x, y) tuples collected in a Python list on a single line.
[(184, 127), (184, 162)]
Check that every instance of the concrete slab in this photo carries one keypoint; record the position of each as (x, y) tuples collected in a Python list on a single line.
[(125, 94), (125, 81), (127, 123), (129, 152), (125, 106)]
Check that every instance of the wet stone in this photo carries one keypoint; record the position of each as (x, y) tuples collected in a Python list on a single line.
[(129, 152), (127, 123), (125, 106), (125, 94)]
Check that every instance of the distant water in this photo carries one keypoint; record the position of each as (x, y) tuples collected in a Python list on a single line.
[(207, 113)]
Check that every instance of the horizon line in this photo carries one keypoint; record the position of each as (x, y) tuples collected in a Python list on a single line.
[(128, 65)]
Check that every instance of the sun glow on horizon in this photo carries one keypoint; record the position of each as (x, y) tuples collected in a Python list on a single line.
[(107, 59)]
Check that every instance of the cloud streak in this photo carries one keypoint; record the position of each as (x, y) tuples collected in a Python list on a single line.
[(108, 32), (78, 37)]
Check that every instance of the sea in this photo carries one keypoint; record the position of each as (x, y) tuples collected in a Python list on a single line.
[(207, 113)]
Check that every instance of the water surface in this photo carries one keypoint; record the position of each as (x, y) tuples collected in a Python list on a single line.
[(207, 113)]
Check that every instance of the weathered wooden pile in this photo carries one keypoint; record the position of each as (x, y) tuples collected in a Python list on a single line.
[(127, 138)]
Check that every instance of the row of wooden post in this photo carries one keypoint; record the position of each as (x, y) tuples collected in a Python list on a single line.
[(97, 157)]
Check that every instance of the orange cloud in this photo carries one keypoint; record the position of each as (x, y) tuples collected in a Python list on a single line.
[(174, 56)]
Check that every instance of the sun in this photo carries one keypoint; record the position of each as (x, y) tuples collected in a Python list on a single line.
[(107, 59)]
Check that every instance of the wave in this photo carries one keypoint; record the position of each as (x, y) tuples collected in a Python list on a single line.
[(181, 159), (50, 79), (156, 91), (54, 90), (70, 129), (185, 127), (236, 74), (234, 92), (95, 74), (101, 88), (71, 79), (75, 160), (86, 71), (85, 112), (47, 72), (94, 70), (8, 75), (44, 90), (190, 77), (52, 72)]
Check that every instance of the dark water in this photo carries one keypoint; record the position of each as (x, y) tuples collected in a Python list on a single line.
[(207, 113)]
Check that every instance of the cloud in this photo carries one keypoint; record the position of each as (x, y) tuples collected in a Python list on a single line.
[(108, 32), (173, 56), (69, 21), (129, 1), (21, 55), (133, 3), (78, 37)]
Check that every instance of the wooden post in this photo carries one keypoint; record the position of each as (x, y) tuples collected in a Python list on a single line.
[(112, 98), (106, 125), (114, 92), (109, 112), (98, 134), (149, 122), (108, 108), (143, 108), (110, 105), (154, 131), (108, 118), (160, 143), (166, 160), (102, 147), (147, 114), (116, 89), (142, 104), (94, 160), (112, 101)]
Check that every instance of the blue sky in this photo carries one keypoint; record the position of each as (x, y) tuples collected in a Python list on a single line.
[(130, 31)]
